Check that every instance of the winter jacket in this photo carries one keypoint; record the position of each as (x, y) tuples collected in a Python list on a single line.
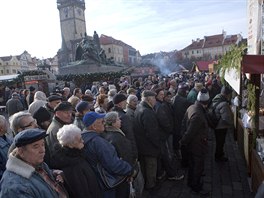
[(51, 139), (195, 136), (99, 150), (192, 96), (147, 130), (20, 180), (79, 178), (180, 105), (5, 143), (40, 100), (128, 129), (165, 118), (78, 121), (122, 145), (13, 106), (224, 110)]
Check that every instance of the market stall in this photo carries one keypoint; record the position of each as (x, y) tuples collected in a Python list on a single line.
[(252, 117)]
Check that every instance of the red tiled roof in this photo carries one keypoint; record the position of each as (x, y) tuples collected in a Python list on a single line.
[(105, 40), (203, 65), (212, 41), (229, 40), (195, 45)]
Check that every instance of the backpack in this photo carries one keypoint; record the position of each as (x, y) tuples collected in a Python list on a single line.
[(213, 117)]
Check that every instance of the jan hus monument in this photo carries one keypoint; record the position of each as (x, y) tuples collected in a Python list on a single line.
[(79, 53)]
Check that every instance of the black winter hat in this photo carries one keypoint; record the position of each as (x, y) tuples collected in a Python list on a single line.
[(63, 106), (226, 90), (119, 98), (42, 115)]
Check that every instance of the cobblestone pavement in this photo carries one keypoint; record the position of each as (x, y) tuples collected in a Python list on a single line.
[(223, 180)]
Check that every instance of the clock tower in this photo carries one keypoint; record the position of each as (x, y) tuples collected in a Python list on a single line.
[(73, 28)]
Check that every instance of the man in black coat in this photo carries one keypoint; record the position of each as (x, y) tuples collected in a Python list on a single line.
[(119, 101), (166, 121), (147, 133), (195, 140), (179, 104)]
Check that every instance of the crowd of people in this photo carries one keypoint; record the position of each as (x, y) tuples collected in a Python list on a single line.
[(141, 133)]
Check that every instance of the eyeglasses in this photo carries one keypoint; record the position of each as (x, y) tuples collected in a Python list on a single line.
[(33, 122)]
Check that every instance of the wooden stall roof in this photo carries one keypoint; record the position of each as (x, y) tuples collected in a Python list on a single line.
[(253, 64)]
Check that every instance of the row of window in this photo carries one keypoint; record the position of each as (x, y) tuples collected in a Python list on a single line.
[(7, 71), (7, 63)]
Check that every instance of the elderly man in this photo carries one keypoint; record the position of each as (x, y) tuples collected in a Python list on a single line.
[(100, 151), (63, 115), (14, 105), (192, 95), (21, 121), (53, 101), (147, 133), (195, 140), (119, 101), (132, 102), (5, 143), (222, 108), (26, 174)]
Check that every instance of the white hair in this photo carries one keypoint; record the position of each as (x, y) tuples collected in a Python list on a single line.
[(66, 135), (15, 120), (112, 92), (131, 98)]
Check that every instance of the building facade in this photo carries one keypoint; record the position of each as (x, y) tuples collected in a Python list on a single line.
[(211, 47), (18, 63)]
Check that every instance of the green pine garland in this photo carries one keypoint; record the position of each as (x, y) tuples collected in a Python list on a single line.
[(231, 60)]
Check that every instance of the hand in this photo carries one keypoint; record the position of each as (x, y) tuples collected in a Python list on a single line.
[(58, 175)]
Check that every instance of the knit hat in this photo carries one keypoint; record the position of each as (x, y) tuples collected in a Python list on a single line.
[(54, 97), (31, 88), (81, 106), (119, 98), (226, 90), (42, 115), (63, 106), (203, 95)]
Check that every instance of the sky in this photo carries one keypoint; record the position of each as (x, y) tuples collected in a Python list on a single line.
[(147, 25)]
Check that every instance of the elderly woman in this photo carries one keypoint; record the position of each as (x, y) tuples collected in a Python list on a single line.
[(40, 100), (80, 180), (122, 145), (100, 151), (101, 103)]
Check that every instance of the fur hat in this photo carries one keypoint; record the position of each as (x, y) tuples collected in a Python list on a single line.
[(203, 95)]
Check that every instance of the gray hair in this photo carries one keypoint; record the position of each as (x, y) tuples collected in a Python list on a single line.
[(110, 118), (66, 135), (131, 98), (15, 120), (3, 121), (112, 92)]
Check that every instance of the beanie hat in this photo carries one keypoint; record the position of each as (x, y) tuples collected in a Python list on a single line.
[(81, 106), (42, 115), (203, 95), (119, 98), (226, 90)]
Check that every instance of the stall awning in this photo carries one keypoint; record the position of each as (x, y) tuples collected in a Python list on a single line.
[(253, 64), (8, 77)]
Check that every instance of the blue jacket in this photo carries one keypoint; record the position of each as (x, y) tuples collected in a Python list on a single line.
[(20, 180), (4, 146), (99, 150)]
